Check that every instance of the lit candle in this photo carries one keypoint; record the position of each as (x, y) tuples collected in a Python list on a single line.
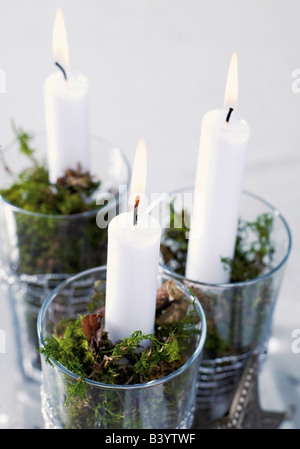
[(66, 110), (218, 187), (132, 263)]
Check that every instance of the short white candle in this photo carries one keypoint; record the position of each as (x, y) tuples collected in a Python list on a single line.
[(132, 266), (66, 96), (218, 187)]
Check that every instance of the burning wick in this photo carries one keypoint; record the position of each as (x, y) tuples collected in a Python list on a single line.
[(228, 115), (62, 69), (135, 210)]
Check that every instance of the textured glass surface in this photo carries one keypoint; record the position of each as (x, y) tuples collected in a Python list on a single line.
[(39, 251), (165, 403), (239, 315)]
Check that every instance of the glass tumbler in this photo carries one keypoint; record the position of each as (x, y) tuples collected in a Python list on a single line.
[(239, 315), (38, 251)]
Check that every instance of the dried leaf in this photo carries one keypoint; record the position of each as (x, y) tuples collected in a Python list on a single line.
[(165, 294)]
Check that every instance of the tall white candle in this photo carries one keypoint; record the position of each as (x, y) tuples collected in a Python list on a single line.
[(66, 95), (132, 265), (218, 187)]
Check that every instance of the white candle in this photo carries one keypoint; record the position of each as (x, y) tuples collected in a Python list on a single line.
[(132, 265), (66, 96), (218, 187)]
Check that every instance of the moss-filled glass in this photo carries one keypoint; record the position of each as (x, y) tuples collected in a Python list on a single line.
[(164, 403), (40, 250), (239, 314)]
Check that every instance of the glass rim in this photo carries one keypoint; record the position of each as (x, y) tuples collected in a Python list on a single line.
[(149, 384), (275, 212), (88, 213)]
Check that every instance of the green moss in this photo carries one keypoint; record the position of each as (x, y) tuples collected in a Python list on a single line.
[(253, 249), (253, 254), (174, 244), (125, 363), (63, 239), (32, 190), (54, 231)]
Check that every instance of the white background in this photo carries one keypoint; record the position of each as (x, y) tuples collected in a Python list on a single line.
[(155, 67)]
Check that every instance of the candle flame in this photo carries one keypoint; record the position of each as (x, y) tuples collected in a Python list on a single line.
[(139, 170), (60, 41), (231, 92)]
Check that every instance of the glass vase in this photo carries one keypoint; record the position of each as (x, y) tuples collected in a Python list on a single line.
[(165, 403), (38, 251), (239, 315)]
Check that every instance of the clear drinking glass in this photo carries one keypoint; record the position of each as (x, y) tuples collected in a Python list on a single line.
[(39, 251), (239, 315), (165, 403)]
